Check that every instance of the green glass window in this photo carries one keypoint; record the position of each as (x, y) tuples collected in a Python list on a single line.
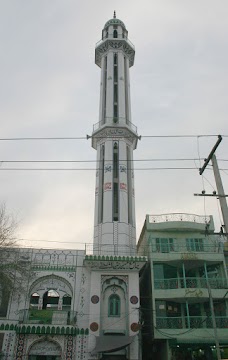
[(194, 244), (114, 305), (164, 245)]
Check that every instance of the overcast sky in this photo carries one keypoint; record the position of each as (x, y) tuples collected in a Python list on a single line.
[(49, 87)]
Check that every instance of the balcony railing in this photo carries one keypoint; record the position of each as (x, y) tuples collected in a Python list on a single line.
[(54, 317), (110, 37), (179, 217), (190, 282), (115, 122), (192, 322), (190, 255)]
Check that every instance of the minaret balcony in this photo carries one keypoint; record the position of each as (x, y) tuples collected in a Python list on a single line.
[(110, 37), (115, 128), (111, 43), (119, 121)]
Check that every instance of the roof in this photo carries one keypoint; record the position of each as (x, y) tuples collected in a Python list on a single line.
[(114, 21)]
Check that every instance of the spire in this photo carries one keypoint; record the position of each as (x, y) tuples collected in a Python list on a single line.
[(114, 15)]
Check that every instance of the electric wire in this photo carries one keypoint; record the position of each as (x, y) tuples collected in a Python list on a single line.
[(87, 137)]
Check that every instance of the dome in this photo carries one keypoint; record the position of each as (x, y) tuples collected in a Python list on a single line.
[(114, 21)]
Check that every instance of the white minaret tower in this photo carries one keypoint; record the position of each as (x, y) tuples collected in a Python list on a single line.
[(114, 137)]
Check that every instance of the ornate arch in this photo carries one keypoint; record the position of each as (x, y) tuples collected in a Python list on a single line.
[(51, 282), (44, 343)]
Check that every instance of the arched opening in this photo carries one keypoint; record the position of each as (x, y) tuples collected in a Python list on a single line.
[(114, 305), (45, 350), (34, 301), (50, 300), (115, 34), (66, 302)]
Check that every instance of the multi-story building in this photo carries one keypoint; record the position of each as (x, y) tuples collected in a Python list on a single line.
[(184, 304), (85, 304)]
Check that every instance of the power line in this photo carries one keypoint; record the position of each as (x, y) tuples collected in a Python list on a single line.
[(87, 137), (108, 160), (94, 169)]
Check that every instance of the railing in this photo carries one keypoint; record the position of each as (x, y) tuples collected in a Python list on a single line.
[(54, 317), (192, 322), (179, 217), (190, 282), (186, 254), (115, 122), (110, 37), (110, 250)]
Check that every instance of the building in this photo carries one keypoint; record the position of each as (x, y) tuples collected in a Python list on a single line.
[(185, 278), (85, 304)]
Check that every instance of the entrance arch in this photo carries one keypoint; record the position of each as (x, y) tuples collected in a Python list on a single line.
[(45, 350)]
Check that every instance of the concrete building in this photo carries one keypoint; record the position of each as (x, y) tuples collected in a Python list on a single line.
[(185, 277), (85, 304)]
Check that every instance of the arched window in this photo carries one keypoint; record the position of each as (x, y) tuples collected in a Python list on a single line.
[(50, 300), (34, 300), (66, 302), (115, 34), (114, 305)]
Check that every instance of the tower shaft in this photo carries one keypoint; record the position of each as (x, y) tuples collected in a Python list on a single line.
[(114, 137)]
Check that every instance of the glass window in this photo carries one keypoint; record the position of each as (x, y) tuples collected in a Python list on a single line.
[(114, 305), (164, 245), (194, 244)]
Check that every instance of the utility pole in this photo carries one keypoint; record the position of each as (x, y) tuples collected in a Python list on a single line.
[(222, 197), (220, 191), (223, 204), (213, 321)]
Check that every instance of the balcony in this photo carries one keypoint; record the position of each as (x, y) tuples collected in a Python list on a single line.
[(46, 317), (179, 217), (190, 282), (191, 254), (191, 322), (110, 37), (112, 121)]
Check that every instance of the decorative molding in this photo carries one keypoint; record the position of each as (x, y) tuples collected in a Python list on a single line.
[(104, 278), (47, 330), (51, 282), (69, 347), (120, 44)]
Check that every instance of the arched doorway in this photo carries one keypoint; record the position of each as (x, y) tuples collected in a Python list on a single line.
[(45, 350)]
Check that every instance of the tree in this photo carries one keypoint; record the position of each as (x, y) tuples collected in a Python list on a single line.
[(14, 267)]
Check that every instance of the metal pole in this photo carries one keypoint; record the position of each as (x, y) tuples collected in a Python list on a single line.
[(214, 322), (210, 155), (220, 190)]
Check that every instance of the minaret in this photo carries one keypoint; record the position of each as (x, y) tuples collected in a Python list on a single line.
[(114, 137)]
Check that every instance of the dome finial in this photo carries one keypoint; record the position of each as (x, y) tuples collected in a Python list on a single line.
[(114, 16)]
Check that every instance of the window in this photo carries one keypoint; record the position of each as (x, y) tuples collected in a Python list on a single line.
[(34, 300), (114, 305), (115, 34), (115, 182), (66, 302), (50, 300), (104, 89), (115, 88), (101, 184), (194, 244), (164, 245), (129, 185)]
